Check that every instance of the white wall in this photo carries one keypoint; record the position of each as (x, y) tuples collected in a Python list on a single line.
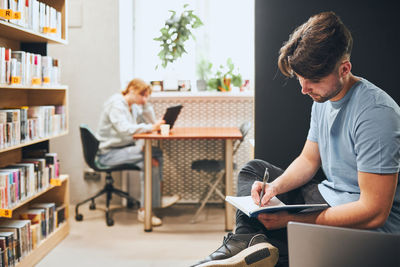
[(90, 67), (126, 41)]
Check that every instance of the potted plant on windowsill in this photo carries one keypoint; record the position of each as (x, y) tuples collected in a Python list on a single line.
[(225, 77), (203, 70)]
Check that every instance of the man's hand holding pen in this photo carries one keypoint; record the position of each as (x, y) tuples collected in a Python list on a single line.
[(262, 192)]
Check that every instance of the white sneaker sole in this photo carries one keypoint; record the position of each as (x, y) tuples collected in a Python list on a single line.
[(259, 255), (170, 203), (155, 221)]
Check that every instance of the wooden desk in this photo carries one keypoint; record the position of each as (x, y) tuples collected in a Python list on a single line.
[(229, 134)]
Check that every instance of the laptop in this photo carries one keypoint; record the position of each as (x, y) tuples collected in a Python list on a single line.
[(312, 245), (171, 114)]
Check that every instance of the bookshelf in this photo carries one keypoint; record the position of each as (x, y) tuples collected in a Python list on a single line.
[(17, 37)]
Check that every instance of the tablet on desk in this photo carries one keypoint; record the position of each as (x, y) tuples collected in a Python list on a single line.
[(171, 114)]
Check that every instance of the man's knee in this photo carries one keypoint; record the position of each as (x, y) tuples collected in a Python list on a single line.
[(251, 171), (254, 170), (256, 163), (254, 166)]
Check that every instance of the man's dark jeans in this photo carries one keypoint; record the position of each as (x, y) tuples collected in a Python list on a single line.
[(253, 171)]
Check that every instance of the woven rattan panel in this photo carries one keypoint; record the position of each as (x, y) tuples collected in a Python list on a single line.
[(179, 178)]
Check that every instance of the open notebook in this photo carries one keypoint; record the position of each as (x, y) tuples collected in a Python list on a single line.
[(247, 206)]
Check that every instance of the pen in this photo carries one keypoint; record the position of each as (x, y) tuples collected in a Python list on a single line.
[(265, 180)]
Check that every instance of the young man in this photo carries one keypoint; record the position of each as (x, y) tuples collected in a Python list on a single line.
[(354, 136), (123, 115)]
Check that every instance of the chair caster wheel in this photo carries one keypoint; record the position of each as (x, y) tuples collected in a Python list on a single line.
[(130, 204), (92, 206), (110, 222), (79, 217)]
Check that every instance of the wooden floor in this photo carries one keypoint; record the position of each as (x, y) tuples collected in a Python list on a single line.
[(176, 243)]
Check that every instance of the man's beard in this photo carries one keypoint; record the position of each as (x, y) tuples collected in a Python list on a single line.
[(321, 99)]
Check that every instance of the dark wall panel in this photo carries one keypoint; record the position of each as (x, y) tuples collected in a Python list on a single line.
[(281, 111)]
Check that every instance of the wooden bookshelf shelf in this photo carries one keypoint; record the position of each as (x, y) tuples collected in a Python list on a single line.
[(15, 32), (32, 142), (16, 87)]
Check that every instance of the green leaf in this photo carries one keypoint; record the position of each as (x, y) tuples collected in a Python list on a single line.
[(213, 83), (230, 65), (237, 80)]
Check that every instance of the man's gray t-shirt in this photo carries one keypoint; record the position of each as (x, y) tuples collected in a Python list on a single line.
[(360, 132)]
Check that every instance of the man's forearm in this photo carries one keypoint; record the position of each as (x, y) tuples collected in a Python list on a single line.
[(353, 215), (299, 172)]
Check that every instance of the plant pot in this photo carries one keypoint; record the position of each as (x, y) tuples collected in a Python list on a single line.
[(201, 85), (170, 78), (227, 87)]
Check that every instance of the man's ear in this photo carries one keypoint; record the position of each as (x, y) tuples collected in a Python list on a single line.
[(345, 68)]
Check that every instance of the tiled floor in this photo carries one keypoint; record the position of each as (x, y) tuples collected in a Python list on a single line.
[(176, 243)]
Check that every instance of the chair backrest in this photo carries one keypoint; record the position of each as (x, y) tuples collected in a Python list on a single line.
[(244, 130), (90, 145)]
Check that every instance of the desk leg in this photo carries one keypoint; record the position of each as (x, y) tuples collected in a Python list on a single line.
[(229, 211), (147, 186)]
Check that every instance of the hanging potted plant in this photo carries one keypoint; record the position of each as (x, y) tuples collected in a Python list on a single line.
[(225, 77), (175, 33)]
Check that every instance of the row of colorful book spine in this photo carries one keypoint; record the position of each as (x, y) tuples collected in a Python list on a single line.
[(34, 15), (22, 180), (20, 236), (28, 69), (30, 123)]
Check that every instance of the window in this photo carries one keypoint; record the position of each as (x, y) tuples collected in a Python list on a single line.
[(228, 32)]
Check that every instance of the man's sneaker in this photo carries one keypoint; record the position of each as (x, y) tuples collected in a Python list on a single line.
[(243, 250), (169, 200), (155, 221)]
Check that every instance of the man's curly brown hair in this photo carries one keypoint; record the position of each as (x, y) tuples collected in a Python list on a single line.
[(314, 48)]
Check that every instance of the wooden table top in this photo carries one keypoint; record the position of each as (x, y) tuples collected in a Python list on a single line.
[(195, 133)]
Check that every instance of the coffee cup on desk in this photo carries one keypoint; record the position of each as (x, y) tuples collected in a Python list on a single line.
[(164, 129)]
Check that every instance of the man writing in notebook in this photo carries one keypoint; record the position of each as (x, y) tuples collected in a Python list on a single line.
[(354, 136)]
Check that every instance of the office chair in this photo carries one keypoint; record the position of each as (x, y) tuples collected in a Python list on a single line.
[(217, 168), (90, 146)]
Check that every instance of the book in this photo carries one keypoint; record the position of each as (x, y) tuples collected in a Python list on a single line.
[(50, 210), (60, 212), (24, 123), (22, 234), (13, 126), (3, 250), (52, 163), (14, 176), (43, 172), (3, 69), (248, 207), (36, 235), (38, 223), (7, 246), (19, 75)]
